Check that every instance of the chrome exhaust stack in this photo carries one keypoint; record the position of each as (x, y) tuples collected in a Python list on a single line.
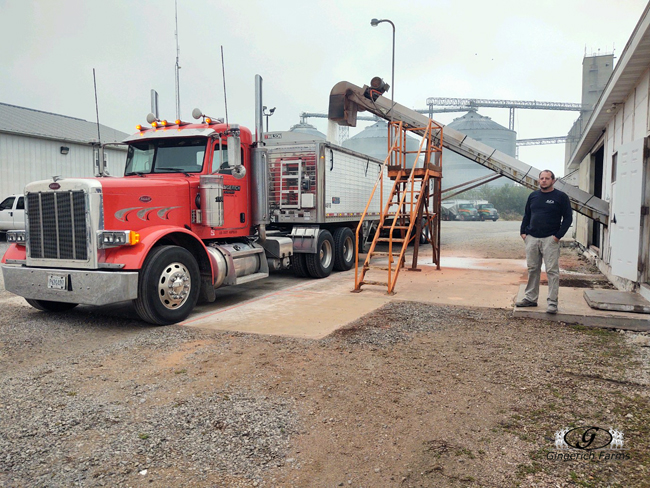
[(259, 173), (259, 112)]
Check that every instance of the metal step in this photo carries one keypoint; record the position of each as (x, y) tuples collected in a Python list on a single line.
[(388, 239), (251, 277), (376, 283), (381, 268), (382, 254)]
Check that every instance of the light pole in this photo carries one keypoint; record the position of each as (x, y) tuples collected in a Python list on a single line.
[(375, 23), (267, 115)]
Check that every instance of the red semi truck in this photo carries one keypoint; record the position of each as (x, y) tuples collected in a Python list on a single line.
[(201, 205)]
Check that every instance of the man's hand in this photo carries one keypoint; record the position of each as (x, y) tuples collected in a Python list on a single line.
[(556, 239), (523, 236)]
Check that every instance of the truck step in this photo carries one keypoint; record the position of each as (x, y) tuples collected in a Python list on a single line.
[(251, 277)]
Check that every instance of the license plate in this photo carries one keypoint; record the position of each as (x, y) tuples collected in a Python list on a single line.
[(57, 282)]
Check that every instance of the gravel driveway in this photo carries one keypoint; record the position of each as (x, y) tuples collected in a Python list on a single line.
[(409, 395)]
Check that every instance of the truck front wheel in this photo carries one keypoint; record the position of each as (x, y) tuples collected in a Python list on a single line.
[(320, 264), (343, 249), (48, 306), (168, 287)]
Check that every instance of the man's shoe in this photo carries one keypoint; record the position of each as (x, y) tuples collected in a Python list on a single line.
[(552, 309), (525, 303)]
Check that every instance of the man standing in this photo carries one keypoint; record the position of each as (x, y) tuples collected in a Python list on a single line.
[(547, 218)]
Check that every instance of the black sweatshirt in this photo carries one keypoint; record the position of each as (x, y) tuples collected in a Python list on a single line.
[(547, 214)]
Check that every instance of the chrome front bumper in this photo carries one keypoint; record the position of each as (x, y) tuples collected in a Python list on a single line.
[(83, 286)]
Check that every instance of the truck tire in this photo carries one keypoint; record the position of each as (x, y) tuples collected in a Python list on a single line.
[(321, 263), (344, 254), (168, 286), (299, 266), (48, 306)]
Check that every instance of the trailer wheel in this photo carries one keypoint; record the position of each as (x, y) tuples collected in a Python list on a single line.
[(48, 306), (343, 249), (168, 287), (299, 266), (320, 264)]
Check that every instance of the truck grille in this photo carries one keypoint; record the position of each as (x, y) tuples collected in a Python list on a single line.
[(57, 225)]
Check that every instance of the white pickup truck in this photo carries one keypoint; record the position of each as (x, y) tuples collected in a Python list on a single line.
[(12, 213)]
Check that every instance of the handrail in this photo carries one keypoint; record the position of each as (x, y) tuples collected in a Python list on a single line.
[(409, 182), (365, 212)]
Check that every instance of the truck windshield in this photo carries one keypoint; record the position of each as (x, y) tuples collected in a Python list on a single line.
[(487, 205), (174, 155)]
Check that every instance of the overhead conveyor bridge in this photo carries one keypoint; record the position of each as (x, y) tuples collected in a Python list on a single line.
[(346, 100)]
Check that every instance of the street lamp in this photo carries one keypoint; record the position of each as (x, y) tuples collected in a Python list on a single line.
[(375, 23), (267, 115)]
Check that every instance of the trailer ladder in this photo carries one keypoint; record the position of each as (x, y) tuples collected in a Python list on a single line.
[(412, 209)]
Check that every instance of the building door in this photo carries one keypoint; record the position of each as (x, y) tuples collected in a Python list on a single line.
[(597, 192), (625, 234)]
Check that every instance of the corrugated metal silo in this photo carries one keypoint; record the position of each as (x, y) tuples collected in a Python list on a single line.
[(306, 128), (458, 169), (373, 141)]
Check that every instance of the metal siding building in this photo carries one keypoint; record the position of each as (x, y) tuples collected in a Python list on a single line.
[(611, 158), (31, 143)]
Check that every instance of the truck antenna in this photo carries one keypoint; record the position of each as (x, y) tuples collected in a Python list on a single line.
[(177, 68), (99, 137), (223, 71), (100, 151)]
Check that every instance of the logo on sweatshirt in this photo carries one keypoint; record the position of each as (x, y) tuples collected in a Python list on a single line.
[(550, 201)]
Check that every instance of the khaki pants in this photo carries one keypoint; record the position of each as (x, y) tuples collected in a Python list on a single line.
[(537, 249)]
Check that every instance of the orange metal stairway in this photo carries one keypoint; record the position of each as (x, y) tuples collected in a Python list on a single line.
[(412, 212)]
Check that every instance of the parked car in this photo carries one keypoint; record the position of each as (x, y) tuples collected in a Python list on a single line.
[(12, 213)]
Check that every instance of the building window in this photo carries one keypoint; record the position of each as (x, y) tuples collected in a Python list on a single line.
[(614, 158)]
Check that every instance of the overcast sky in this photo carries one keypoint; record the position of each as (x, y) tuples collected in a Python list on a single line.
[(517, 50)]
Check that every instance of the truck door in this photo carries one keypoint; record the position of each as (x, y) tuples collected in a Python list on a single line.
[(7, 213), (235, 192)]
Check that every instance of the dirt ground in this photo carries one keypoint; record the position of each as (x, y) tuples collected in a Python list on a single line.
[(411, 395)]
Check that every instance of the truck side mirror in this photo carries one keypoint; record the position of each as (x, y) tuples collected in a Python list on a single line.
[(234, 149)]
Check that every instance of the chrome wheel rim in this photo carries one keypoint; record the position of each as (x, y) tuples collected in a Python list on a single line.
[(348, 249), (326, 254), (174, 285)]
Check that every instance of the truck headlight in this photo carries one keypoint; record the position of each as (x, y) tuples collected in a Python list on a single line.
[(117, 238), (16, 237)]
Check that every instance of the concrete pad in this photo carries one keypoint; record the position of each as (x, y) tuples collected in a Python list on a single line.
[(315, 308), (573, 309), (621, 301), (311, 309), (467, 282)]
